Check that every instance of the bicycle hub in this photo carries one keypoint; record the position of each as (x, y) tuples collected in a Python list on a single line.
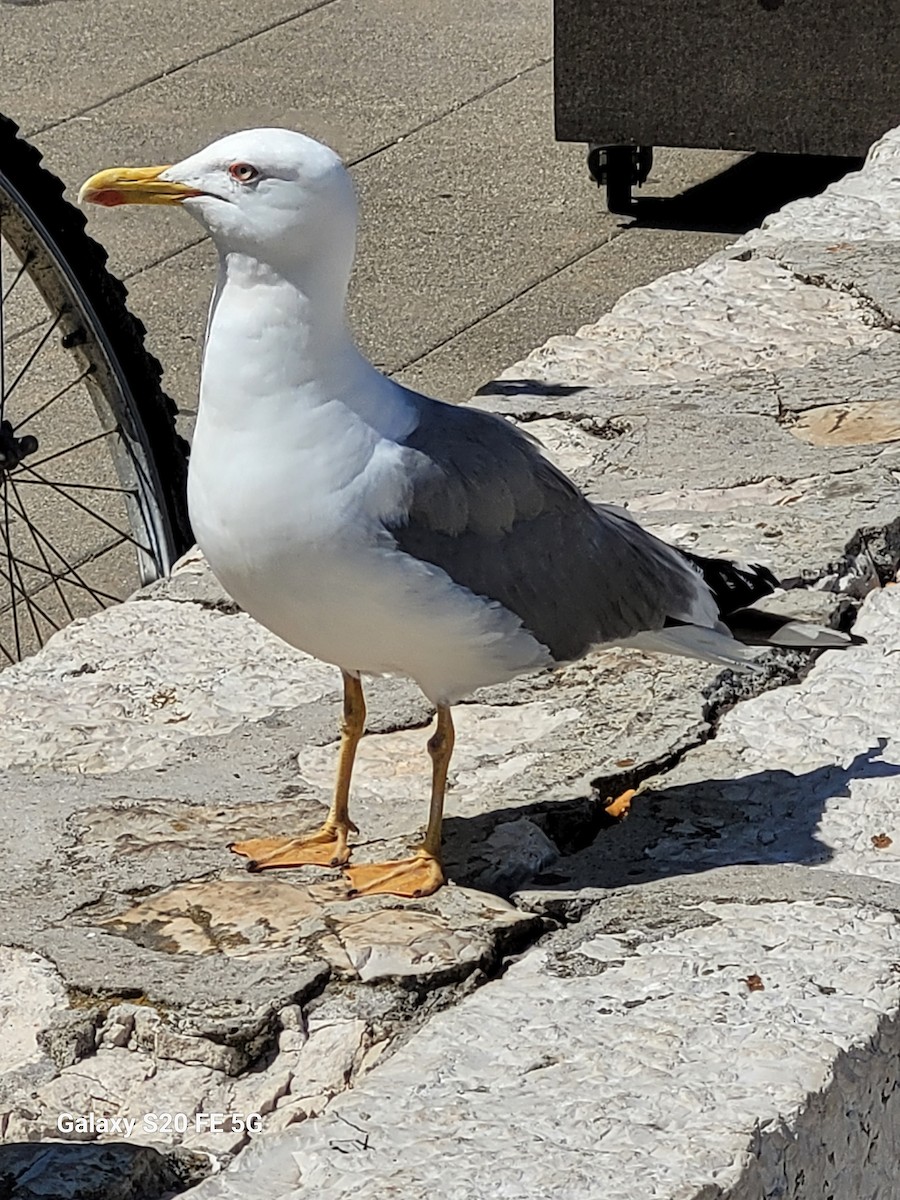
[(12, 449)]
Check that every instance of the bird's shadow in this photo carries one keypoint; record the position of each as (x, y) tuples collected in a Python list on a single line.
[(767, 817)]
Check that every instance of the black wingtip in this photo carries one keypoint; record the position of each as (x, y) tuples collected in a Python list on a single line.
[(734, 585)]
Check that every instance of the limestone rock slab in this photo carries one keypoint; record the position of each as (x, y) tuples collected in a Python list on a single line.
[(862, 206), (860, 424), (808, 774), (102, 697), (98, 1172), (23, 973), (630, 1064), (724, 316), (371, 939)]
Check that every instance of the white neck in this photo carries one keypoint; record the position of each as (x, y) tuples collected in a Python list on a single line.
[(277, 340)]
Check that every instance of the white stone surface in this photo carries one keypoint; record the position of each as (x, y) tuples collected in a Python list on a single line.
[(136, 1075), (123, 689), (493, 744), (821, 763), (646, 1078), (24, 974), (720, 318), (863, 206)]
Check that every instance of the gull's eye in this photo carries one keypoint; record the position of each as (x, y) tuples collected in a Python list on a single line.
[(243, 172)]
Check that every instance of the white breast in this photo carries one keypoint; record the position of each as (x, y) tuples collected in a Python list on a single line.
[(317, 569)]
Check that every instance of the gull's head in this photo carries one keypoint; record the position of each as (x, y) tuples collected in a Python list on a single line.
[(273, 194)]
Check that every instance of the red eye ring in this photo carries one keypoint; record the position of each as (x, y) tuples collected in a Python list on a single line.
[(243, 172)]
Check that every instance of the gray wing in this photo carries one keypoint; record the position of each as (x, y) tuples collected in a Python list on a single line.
[(487, 507)]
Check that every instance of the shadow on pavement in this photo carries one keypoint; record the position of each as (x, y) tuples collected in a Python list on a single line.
[(765, 818), (528, 387), (743, 195)]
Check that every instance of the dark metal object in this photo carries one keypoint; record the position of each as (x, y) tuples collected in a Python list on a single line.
[(783, 76)]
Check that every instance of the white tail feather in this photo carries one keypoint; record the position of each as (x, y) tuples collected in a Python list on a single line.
[(696, 641), (799, 633)]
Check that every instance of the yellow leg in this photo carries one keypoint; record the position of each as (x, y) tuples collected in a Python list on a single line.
[(328, 847), (422, 874)]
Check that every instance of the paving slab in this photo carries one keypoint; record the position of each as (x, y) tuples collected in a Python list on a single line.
[(60, 59), (368, 80), (465, 362)]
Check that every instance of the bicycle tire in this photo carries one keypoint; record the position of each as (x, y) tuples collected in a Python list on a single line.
[(122, 376)]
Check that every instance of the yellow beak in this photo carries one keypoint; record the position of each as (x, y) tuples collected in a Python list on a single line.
[(133, 185)]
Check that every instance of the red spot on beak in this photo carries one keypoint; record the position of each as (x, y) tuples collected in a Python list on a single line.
[(108, 198)]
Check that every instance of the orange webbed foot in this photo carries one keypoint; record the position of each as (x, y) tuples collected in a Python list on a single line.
[(327, 848), (408, 877)]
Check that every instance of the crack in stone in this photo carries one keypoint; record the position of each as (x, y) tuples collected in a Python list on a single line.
[(874, 315), (574, 825), (602, 428)]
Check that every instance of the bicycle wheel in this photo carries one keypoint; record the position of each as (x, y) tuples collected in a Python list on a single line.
[(92, 470)]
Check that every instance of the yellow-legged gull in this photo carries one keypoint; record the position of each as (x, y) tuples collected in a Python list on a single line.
[(381, 530)]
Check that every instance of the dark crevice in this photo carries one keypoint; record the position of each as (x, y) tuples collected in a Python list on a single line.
[(878, 317)]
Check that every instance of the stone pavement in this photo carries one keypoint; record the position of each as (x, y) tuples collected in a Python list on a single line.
[(699, 1001)]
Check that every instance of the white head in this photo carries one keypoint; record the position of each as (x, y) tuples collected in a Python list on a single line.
[(271, 194)]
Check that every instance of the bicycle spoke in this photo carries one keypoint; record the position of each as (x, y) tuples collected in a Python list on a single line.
[(30, 603), (63, 483), (62, 391), (31, 327), (63, 576), (23, 267), (5, 295), (40, 550), (78, 445), (30, 359), (15, 611), (84, 508), (70, 568)]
